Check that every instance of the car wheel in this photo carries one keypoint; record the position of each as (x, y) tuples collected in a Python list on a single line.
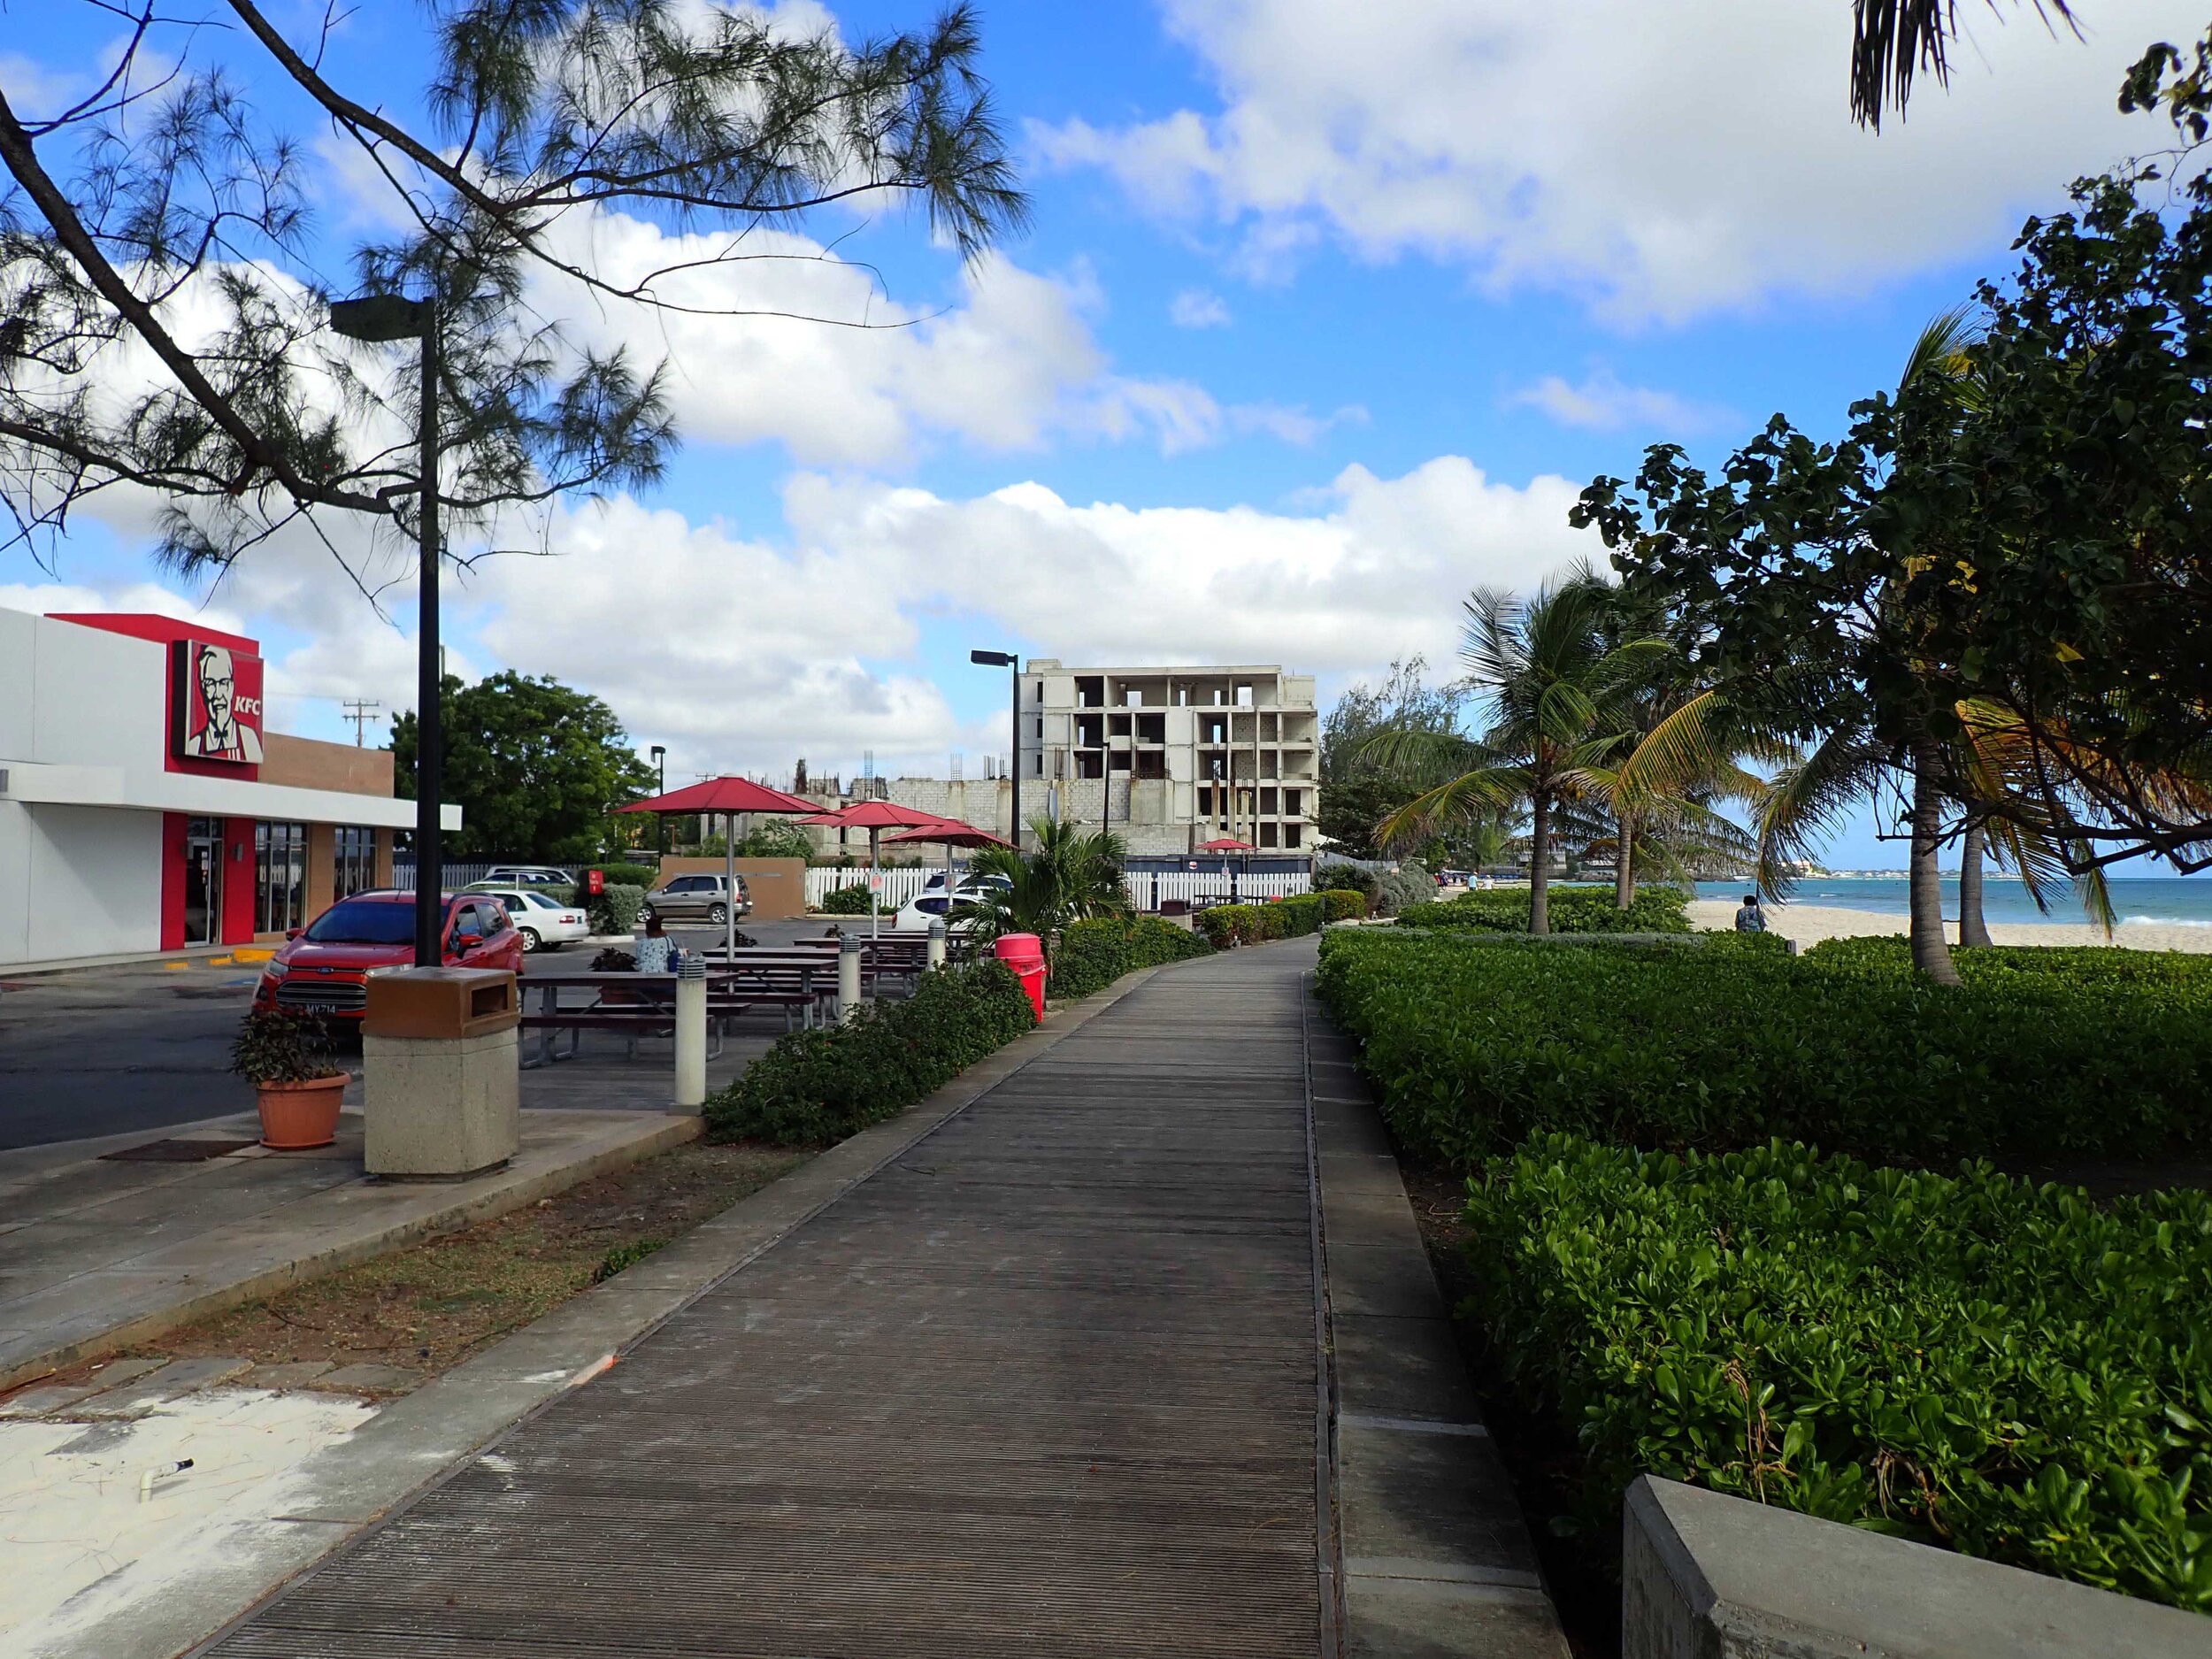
[(718, 914), (648, 915), (530, 941)]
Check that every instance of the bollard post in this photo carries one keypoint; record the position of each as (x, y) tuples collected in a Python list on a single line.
[(936, 955), (691, 1034), (848, 977)]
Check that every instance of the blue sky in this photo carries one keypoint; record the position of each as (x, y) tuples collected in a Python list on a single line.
[(1327, 313)]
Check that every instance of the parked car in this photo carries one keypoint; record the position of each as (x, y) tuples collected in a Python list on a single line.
[(545, 922), (325, 964), (526, 876), (919, 913), (699, 898)]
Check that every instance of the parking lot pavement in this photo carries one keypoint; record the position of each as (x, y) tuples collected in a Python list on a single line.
[(105, 1051), (102, 1051)]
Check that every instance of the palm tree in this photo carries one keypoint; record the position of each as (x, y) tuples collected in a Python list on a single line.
[(1558, 694), (1073, 875), (1892, 39)]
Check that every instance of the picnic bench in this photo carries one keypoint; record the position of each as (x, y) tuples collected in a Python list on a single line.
[(638, 1005)]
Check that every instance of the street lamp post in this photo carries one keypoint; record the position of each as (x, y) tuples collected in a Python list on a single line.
[(660, 759), (1008, 659), (381, 319)]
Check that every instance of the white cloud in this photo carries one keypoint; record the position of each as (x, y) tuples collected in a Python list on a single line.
[(739, 653), (1658, 161), (1600, 403), (1196, 308)]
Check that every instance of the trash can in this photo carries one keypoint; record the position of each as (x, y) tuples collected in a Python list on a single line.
[(442, 1088), (1024, 954)]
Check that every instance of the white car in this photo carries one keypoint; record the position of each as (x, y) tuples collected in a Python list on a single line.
[(543, 922), (525, 875), (919, 913)]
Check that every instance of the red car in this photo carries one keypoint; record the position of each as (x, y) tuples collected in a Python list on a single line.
[(325, 965)]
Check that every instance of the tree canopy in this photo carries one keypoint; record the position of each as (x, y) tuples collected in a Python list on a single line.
[(164, 290), (536, 767)]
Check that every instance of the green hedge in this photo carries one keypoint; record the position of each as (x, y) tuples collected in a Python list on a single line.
[(828, 1082), (1091, 956), (1344, 903), (615, 910), (2009, 1371), (1477, 1041), (1228, 924), (1582, 909), (851, 900)]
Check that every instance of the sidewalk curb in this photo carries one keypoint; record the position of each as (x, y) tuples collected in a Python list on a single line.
[(480, 1206), (419, 1440)]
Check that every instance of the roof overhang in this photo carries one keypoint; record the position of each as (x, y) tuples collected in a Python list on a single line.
[(32, 783)]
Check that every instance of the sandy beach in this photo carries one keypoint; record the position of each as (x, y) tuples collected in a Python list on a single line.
[(1809, 924)]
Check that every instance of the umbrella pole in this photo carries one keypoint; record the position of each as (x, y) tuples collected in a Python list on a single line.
[(729, 899), (875, 882)]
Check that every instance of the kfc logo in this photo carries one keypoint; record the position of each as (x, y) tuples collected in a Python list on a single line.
[(217, 703)]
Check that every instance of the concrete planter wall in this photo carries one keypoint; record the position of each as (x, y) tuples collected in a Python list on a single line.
[(1709, 1576)]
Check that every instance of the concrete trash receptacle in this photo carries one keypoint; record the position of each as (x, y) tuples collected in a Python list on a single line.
[(443, 1090)]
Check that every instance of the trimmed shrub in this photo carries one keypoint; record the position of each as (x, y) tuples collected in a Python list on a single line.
[(1410, 883), (615, 908), (1350, 878), (1979, 1362), (1577, 910), (1091, 956), (821, 1084), (1226, 926), (851, 900), (1478, 1041), (1344, 905)]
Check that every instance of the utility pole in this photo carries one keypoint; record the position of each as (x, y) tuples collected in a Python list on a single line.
[(360, 711)]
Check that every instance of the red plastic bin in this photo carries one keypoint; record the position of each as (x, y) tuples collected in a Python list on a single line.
[(1024, 954)]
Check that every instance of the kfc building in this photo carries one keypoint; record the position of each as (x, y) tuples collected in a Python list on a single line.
[(145, 806)]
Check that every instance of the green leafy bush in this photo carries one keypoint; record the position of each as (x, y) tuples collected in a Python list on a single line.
[(1091, 956), (845, 901), (825, 1083), (2010, 1371), (1410, 883), (1228, 924), (1344, 905), (1478, 1041), (1350, 878), (1582, 909), (615, 908), (284, 1045)]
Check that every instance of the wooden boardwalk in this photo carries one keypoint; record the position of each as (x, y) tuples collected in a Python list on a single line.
[(1045, 1384)]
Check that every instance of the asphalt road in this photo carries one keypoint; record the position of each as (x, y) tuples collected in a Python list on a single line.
[(105, 1051)]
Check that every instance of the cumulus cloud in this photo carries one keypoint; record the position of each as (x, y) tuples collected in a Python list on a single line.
[(1600, 403), (744, 653), (1196, 308), (1658, 161)]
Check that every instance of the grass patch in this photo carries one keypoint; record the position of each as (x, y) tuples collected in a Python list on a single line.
[(426, 1307)]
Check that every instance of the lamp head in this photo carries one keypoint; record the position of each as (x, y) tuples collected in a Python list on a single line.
[(992, 659), (378, 318)]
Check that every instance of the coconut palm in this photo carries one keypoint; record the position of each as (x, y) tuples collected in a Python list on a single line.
[(1557, 691), (1891, 40), (1073, 875)]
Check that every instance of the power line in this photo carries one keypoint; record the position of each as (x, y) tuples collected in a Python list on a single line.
[(360, 711)]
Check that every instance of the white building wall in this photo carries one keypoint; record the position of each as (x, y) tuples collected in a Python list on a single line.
[(15, 879), (93, 882), (96, 698)]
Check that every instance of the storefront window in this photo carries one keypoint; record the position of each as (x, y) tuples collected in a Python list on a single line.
[(280, 897), (354, 860)]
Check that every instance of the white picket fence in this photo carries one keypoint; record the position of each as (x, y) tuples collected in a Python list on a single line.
[(1146, 889), (898, 885)]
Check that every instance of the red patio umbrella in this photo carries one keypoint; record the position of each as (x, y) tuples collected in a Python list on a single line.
[(1227, 844), (876, 817), (726, 795)]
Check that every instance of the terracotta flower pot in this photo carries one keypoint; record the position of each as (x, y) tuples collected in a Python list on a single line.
[(295, 1116)]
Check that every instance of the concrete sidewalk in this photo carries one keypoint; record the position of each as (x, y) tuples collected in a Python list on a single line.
[(96, 1255)]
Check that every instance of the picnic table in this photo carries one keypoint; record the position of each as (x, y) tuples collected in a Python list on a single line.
[(644, 1004)]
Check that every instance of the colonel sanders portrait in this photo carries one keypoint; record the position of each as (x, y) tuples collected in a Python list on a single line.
[(220, 736)]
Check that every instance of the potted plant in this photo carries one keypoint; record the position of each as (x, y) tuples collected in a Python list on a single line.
[(286, 1054)]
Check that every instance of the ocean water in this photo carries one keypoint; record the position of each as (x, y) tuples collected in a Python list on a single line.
[(2179, 901)]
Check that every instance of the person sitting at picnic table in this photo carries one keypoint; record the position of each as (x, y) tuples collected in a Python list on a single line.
[(656, 952)]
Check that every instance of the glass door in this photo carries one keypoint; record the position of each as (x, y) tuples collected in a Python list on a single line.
[(202, 881)]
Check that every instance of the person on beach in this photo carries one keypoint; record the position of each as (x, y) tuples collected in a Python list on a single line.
[(1749, 918), (656, 952)]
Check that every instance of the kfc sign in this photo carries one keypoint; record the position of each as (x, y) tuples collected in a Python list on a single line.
[(216, 712)]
